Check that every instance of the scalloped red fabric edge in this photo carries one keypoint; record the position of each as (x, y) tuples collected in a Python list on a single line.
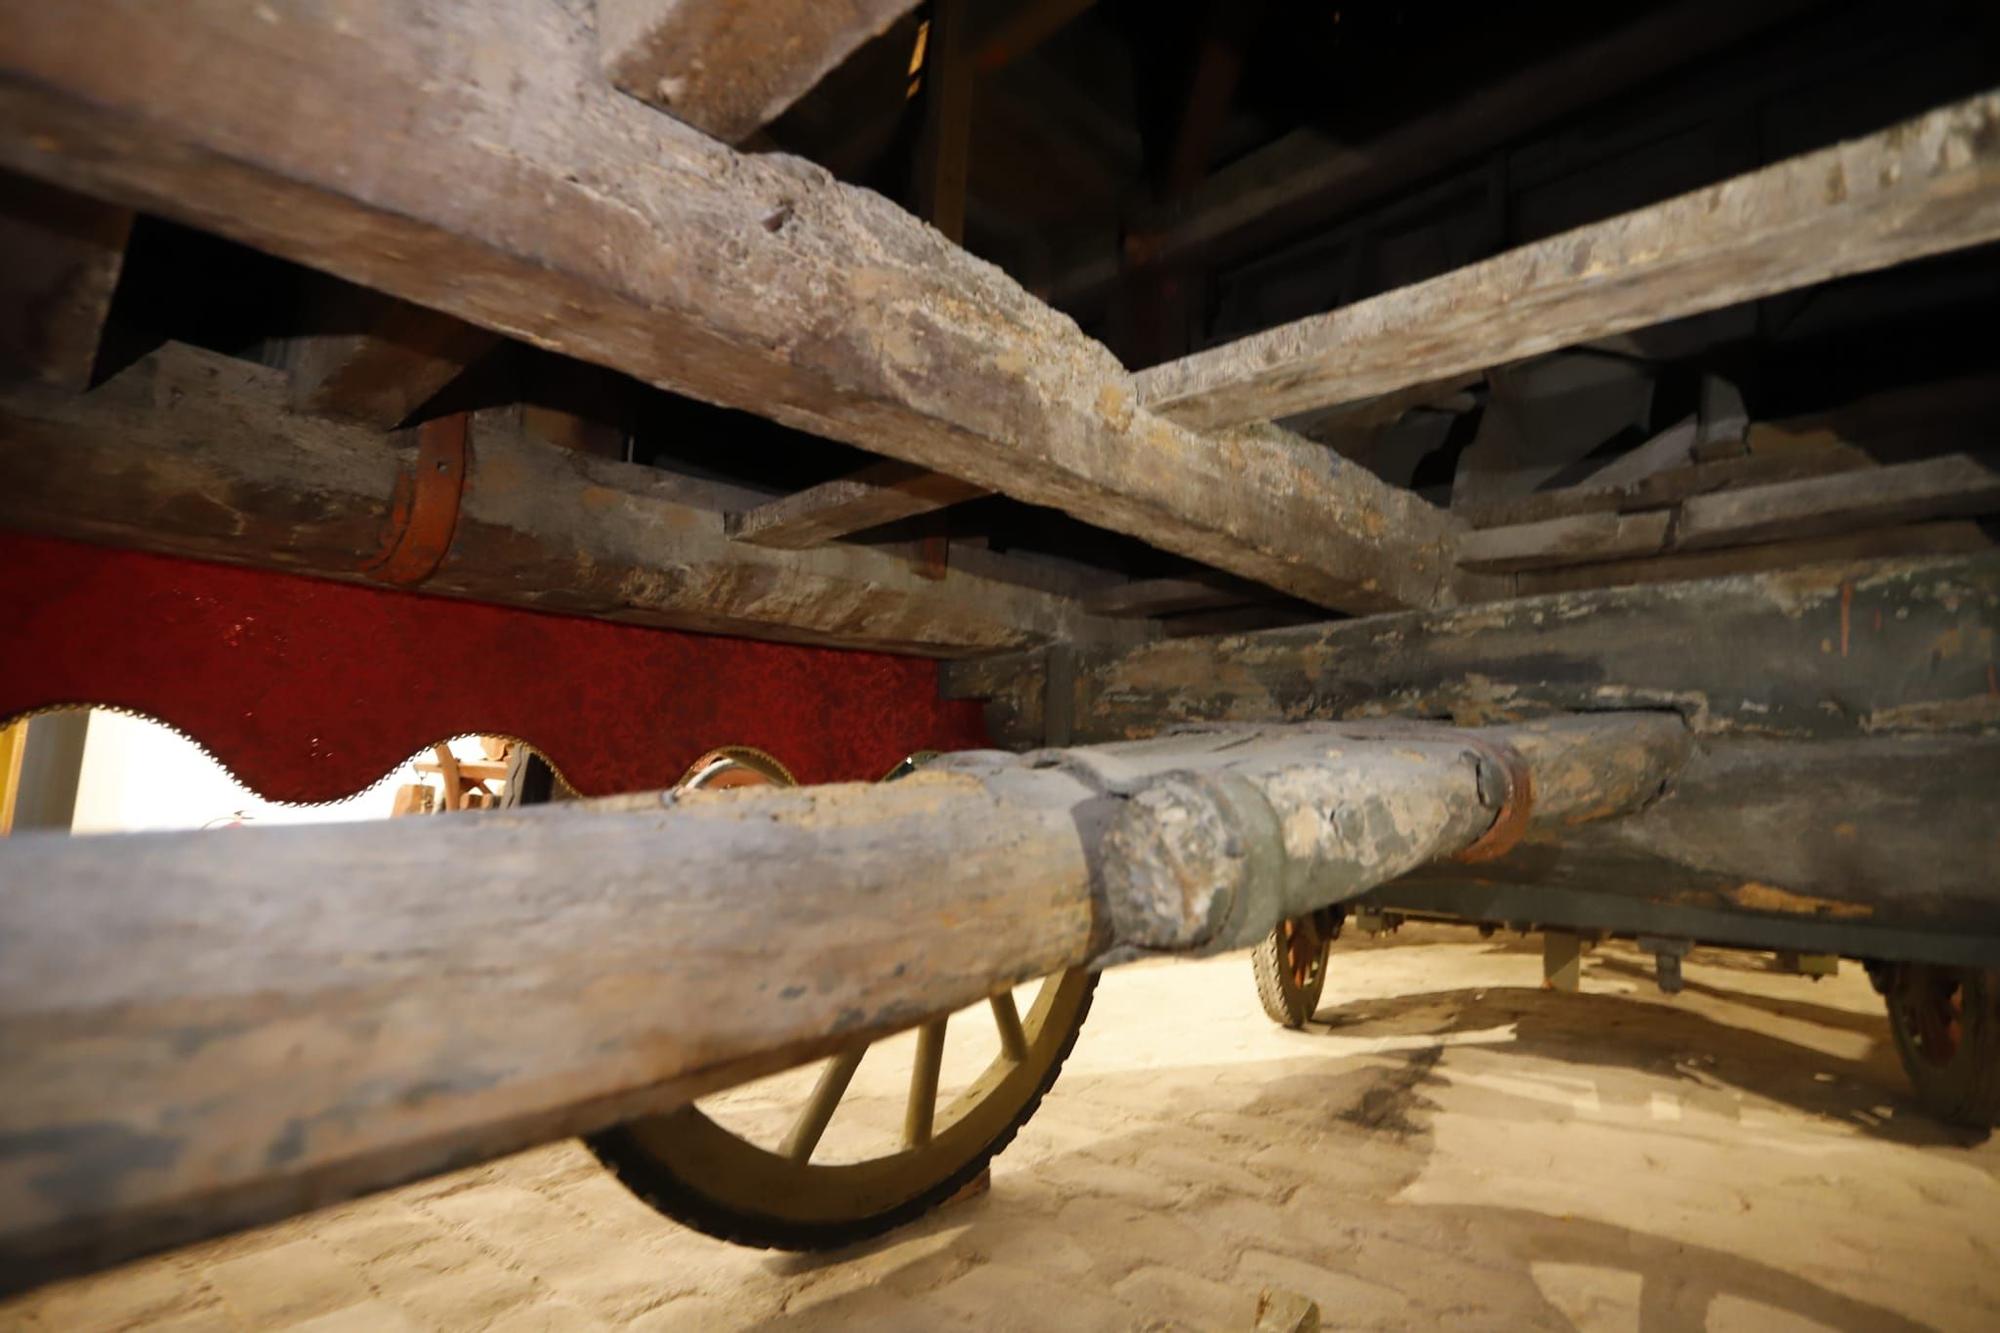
[(310, 690)]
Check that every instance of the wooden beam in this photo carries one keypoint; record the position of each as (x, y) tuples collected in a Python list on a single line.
[(1924, 187), (1958, 484), (1663, 490), (193, 454), (880, 493), (529, 197), (1565, 541), (206, 1031), (1824, 652), (60, 256), (729, 68), (1952, 486), (380, 359), (1904, 542)]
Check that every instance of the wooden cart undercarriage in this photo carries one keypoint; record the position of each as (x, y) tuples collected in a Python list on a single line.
[(1733, 683)]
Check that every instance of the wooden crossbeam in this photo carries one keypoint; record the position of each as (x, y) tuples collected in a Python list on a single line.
[(193, 454), (729, 68), (381, 359), (1952, 486), (526, 195), (1761, 654), (880, 493), (1921, 188), (60, 256)]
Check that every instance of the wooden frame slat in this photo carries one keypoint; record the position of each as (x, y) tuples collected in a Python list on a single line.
[(1924, 187)]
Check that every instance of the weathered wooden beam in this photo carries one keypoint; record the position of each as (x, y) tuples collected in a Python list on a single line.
[(1924, 187), (527, 196), (380, 359), (1958, 484), (60, 256), (1818, 653), (1903, 542), (1955, 485), (194, 454), (729, 68), (205, 1031), (1891, 834), (1577, 540), (880, 493), (1663, 490)]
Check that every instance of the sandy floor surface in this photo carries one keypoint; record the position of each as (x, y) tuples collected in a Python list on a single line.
[(1449, 1146)]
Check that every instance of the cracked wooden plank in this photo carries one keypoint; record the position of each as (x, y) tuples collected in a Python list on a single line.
[(580, 220), (1924, 187), (193, 454), (731, 67)]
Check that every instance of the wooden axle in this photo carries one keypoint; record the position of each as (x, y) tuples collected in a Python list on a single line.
[(202, 1031)]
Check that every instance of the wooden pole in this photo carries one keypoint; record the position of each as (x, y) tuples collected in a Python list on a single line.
[(200, 1031)]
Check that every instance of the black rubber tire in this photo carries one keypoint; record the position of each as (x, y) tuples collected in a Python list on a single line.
[(1285, 1001), (644, 1174), (1963, 1086)]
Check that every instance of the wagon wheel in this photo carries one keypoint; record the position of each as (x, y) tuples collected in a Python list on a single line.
[(1947, 1026), (1290, 967), (770, 1165)]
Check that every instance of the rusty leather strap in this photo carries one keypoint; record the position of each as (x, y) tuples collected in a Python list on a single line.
[(424, 513), (1517, 804)]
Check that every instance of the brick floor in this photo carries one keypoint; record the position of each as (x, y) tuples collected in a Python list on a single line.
[(1449, 1146)]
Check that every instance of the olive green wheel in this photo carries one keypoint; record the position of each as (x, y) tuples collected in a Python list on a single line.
[(1290, 967), (871, 1138), (1947, 1026)]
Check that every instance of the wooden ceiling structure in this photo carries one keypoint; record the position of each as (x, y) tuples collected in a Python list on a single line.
[(475, 173)]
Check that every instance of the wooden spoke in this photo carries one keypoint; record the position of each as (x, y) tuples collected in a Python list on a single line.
[(1007, 1018), (922, 1108), (826, 1095)]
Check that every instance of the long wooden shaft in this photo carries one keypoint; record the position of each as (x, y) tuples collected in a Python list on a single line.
[(191, 453), (203, 1030)]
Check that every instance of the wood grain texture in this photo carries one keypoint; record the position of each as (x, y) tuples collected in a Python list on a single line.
[(1580, 539), (468, 156), (1924, 187), (727, 67), (1818, 653), (391, 359), (1795, 515), (880, 493), (1958, 484), (1903, 542), (60, 257), (190, 453), (322, 1020), (205, 1030)]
